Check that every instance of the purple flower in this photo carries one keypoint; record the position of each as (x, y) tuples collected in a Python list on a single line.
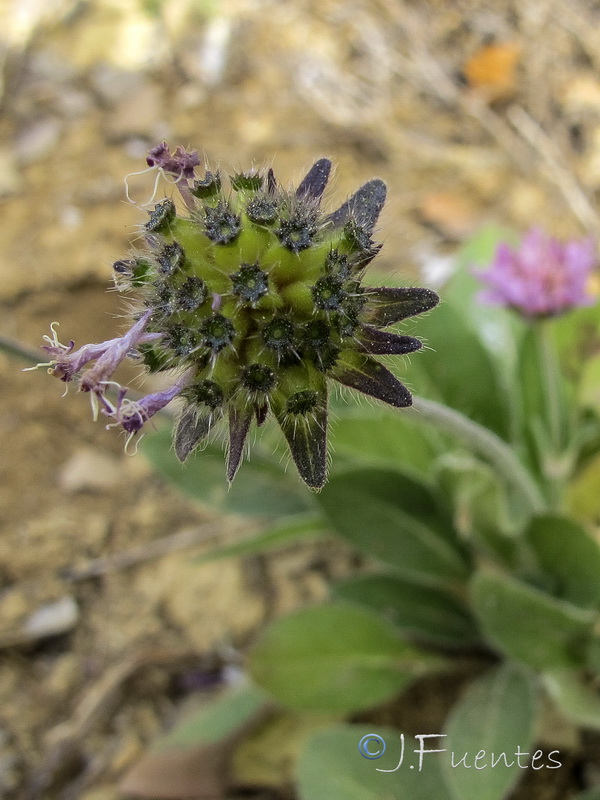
[(542, 277), (113, 355), (67, 363), (132, 415), (181, 163)]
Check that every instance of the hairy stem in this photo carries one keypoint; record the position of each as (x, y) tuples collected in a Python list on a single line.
[(554, 465)]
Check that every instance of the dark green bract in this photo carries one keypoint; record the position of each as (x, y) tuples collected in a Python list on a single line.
[(258, 294)]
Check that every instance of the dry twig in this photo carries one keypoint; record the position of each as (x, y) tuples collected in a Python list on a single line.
[(94, 707), (145, 552), (556, 170)]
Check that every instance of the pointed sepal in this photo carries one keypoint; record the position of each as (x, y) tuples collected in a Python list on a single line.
[(379, 343), (364, 207), (313, 185), (193, 426), (366, 375), (299, 404), (306, 435), (385, 306), (239, 425)]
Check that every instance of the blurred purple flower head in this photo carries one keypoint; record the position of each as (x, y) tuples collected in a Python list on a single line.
[(542, 277)]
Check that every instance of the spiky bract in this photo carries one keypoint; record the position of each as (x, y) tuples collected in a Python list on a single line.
[(255, 297)]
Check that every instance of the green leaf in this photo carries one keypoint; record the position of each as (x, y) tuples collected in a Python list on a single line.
[(332, 768), (393, 517), (577, 337), (260, 489), (377, 436), (458, 370), (483, 511), (583, 497), (496, 715), (214, 720), (588, 394), (589, 794), (528, 625), (499, 328), (333, 658), (566, 552), (578, 701), (304, 527), (192, 760), (422, 614)]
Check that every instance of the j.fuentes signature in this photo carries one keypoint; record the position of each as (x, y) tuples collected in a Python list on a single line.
[(373, 746)]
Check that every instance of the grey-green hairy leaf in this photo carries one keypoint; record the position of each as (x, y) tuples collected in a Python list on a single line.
[(567, 553), (422, 614), (262, 489), (373, 435), (333, 658), (393, 517), (458, 351), (282, 533), (529, 625), (495, 716), (577, 699), (480, 505), (332, 768), (214, 720)]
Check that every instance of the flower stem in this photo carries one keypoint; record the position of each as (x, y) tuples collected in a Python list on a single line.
[(554, 457), (551, 382), (18, 350), (486, 444)]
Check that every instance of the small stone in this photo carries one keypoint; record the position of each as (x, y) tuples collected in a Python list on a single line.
[(205, 62), (38, 139), (64, 674), (88, 470), (9, 776), (582, 93), (15, 605), (73, 103), (52, 619), (138, 114), (112, 84)]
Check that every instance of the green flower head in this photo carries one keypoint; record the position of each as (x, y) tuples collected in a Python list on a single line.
[(253, 297)]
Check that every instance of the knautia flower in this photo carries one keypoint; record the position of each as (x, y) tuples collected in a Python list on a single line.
[(253, 298), (542, 277)]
